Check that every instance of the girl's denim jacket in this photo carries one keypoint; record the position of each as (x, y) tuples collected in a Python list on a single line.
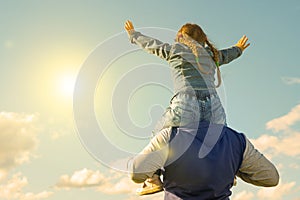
[(185, 73)]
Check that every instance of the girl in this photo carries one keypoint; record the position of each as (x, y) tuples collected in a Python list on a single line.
[(193, 61)]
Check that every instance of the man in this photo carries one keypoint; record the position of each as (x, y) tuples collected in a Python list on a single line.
[(200, 161)]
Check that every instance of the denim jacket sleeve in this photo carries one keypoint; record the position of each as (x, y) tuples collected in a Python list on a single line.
[(256, 168), (152, 158), (229, 54), (151, 45)]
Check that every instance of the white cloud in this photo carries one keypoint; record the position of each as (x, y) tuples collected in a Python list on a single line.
[(244, 195), (265, 142), (284, 122), (268, 193), (81, 179), (18, 139), (110, 183), (291, 80), (276, 193), (273, 145), (122, 186), (286, 143), (12, 190)]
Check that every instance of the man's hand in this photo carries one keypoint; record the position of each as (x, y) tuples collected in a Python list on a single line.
[(242, 43)]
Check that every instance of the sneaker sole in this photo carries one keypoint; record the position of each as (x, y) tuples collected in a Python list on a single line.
[(149, 191)]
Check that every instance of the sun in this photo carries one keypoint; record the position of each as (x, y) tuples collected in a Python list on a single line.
[(66, 85)]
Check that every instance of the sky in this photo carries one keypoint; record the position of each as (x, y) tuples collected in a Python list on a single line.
[(78, 100)]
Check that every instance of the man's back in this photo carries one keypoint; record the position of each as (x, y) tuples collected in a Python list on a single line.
[(200, 162), (192, 176)]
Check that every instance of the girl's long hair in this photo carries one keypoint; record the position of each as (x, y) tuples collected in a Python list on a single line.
[(192, 36)]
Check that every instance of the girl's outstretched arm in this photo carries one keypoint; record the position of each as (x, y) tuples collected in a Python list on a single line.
[(151, 45), (242, 43), (129, 27), (229, 54)]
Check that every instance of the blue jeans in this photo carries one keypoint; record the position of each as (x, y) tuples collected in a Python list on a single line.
[(188, 107)]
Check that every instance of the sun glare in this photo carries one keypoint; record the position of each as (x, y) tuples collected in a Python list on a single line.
[(66, 85)]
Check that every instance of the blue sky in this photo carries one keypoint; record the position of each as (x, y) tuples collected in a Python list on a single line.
[(45, 46)]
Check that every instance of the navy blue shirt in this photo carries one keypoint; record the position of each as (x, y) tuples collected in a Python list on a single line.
[(200, 162), (190, 176)]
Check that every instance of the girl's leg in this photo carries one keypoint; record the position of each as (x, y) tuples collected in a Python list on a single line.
[(182, 111), (213, 111)]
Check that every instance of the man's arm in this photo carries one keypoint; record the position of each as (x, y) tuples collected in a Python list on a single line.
[(152, 158), (257, 169)]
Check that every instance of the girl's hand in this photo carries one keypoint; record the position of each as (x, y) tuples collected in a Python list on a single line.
[(129, 26), (242, 43)]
